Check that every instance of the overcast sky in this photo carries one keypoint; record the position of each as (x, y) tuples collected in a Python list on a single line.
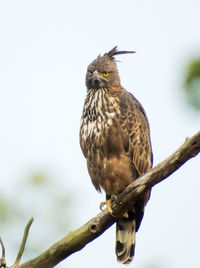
[(45, 47)]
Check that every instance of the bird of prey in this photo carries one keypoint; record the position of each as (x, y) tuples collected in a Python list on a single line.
[(115, 140)]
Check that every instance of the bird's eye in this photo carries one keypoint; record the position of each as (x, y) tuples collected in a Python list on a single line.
[(105, 73), (90, 73)]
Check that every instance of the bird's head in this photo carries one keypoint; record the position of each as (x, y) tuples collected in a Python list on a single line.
[(102, 72)]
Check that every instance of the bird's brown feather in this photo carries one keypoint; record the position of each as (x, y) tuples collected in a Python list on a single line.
[(115, 139)]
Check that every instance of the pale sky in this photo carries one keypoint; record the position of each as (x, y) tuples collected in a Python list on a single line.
[(45, 47)]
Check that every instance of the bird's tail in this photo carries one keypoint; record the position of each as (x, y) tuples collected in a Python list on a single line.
[(125, 239)]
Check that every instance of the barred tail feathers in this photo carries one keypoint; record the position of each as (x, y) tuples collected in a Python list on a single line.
[(125, 240)]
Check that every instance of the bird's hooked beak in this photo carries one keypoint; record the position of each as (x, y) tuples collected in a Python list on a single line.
[(96, 79)]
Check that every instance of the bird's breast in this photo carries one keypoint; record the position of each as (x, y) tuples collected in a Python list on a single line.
[(98, 115)]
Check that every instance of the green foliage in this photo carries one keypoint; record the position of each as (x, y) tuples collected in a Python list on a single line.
[(192, 84)]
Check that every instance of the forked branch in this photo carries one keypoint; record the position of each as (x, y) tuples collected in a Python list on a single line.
[(21, 250)]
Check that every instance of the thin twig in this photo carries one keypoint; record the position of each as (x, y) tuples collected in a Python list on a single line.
[(21, 250), (3, 248), (2, 259)]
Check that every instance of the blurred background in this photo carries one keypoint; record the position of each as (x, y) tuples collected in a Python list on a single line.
[(45, 47)]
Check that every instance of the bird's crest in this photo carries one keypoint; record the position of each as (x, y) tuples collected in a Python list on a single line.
[(113, 52)]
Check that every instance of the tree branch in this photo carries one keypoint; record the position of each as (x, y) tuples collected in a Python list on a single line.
[(21, 250), (2, 259), (77, 239)]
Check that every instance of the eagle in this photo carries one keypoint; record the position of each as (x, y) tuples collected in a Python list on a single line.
[(115, 140)]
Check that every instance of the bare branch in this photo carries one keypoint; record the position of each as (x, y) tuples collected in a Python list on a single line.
[(2, 259), (21, 250), (77, 239)]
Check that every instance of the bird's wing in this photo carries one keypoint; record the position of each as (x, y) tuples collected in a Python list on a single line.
[(136, 135), (136, 141)]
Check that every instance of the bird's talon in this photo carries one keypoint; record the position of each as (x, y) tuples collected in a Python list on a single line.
[(102, 204), (108, 205), (125, 215), (113, 198)]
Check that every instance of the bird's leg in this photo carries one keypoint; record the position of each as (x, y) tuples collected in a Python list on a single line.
[(108, 203)]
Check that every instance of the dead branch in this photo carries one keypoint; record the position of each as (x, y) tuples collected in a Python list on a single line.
[(23, 243), (2, 259)]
